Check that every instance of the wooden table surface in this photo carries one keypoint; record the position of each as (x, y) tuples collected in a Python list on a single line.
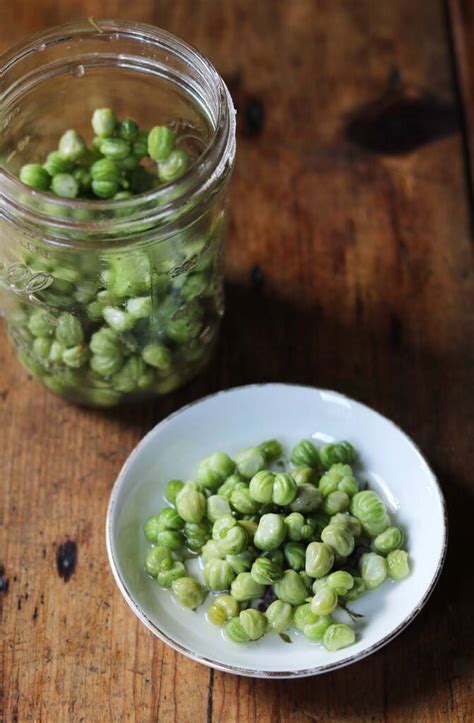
[(349, 266)]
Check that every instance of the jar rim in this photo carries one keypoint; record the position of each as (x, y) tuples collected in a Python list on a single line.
[(158, 205)]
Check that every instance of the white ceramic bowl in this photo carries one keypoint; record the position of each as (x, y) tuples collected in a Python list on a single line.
[(244, 416)]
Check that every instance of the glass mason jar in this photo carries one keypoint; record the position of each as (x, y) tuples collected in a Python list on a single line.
[(111, 301)]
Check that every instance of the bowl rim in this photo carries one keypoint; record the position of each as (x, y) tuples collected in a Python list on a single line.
[(248, 672)]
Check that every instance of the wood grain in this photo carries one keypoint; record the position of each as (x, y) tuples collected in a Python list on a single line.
[(349, 266)]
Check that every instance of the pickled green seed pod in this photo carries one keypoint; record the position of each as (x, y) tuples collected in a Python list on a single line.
[(291, 588), (284, 489), (303, 616), (55, 163), (76, 356), (130, 376), (250, 528), (241, 562), (340, 581), (297, 527), (196, 534), (235, 632), (338, 477), (370, 510), (373, 569), (295, 555), (389, 540), (152, 527), (242, 501), (82, 178), (350, 523), (69, 330), (235, 481), (118, 319), (116, 149), (218, 574), (65, 185), (158, 356), (275, 556), (173, 487), (270, 533), (254, 623), (104, 122), (339, 538), (161, 141), (157, 559), (336, 502), (305, 453), (261, 486), (105, 342), (191, 505), (56, 352), (169, 519), (315, 630), (266, 572), (308, 499), (41, 323), (211, 551), (165, 578), (105, 189), (245, 588), (140, 145), (105, 170), (304, 475), (35, 176), (272, 450), (214, 470), (128, 129), (188, 592), (234, 541), (222, 609), (342, 452), (42, 346), (72, 146), (170, 538), (141, 308), (338, 636), (279, 616), (357, 590), (324, 602), (175, 165), (222, 526), (319, 559), (217, 506), (249, 461), (398, 564), (106, 365)]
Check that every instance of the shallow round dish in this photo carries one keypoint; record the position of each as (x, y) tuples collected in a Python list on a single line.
[(244, 416)]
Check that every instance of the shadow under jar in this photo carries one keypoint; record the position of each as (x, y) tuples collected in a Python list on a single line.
[(109, 301)]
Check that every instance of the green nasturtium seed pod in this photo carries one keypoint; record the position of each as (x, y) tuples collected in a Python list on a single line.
[(172, 488), (272, 450), (357, 590), (214, 470), (242, 501), (104, 122), (338, 478), (170, 538), (284, 489), (191, 505), (389, 540), (235, 540), (35, 176), (211, 551), (270, 533), (370, 510), (319, 559), (218, 574), (254, 623), (338, 636), (398, 564), (242, 561), (315, 630), (175, 165), (304, 475), (308, 499), (72, 146), (249, 461), (291, 588), (295, 555), (222, 609), (303, 616), (188, 592), (279, 616), (245, 588), (65, 185), (324, 602), (373, 569), (157, 559), (69, 330), (235, 632), (261, 486), (340, 581), (158, 356), (128, 129), (339, 538), (115, 148), (217, 506), (265, 571), (341, 452), (305, 453), (161, 141), (336, 502), (166, 577)]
